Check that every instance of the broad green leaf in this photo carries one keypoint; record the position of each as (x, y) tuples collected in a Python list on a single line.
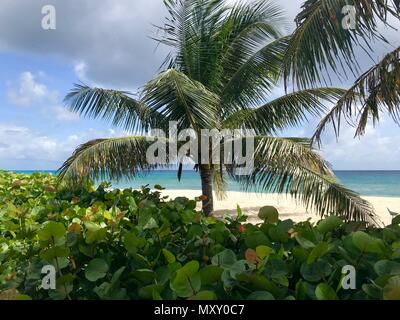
[(238, 267), (150, 291), (386, 267), (91, 226), (225, 259), (392, 289), (54, 252), (187, 281), (366, 243), (64, 287), (318, 251), (151, 224), (96, 269), (133, 243), (300, 290), (117, 275), (269, 214), (316, 271), (185, 285), (239, 211), (133, 208), (264, 252), (107, 215), (255, 239), (276, 268), (210, 274), (329, 224), (169, 256), (372, 291), (103, 290), (306, 244), (194, 231), (325, 292), (190, 268), (145, 276), (280, 231), (51, 230), (96, 236)]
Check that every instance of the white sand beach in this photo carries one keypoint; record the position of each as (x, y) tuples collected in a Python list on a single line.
[(287, 207)]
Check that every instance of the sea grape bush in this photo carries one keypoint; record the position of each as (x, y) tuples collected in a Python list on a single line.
[(129, 244)]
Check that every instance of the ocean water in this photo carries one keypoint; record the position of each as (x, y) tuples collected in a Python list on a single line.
[(367, 183)]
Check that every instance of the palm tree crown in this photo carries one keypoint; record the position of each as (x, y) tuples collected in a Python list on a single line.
[(224, 63)]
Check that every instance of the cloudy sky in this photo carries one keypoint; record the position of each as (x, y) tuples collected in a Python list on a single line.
[(107, 43)]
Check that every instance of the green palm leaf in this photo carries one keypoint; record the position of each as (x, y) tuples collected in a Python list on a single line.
[(376, 91), (189, 30), (178, 98), (290, 166), (118, 107), (242, 51), (107, 159), (289, 110), (320, 41), (255, 77)]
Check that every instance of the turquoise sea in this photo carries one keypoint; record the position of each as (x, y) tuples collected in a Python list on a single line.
[(367, 183)]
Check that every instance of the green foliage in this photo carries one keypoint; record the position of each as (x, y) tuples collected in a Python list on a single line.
[(135, 244)]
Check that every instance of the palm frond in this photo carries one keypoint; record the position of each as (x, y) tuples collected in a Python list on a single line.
[(291, 167), (251, 80), (242, 39), (289, 110), (107, 159), (118, 107), (179, 98), (376, 91), (320, 41), (219, 182), (188, 30), (211, 39)]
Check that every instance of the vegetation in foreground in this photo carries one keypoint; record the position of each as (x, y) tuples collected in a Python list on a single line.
[(127, 244)]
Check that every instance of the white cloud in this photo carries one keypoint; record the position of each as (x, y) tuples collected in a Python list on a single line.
[(22, 143), (26, 146), (80, 69), (28, 90), (62, 114), (110, 38), (378, 149)]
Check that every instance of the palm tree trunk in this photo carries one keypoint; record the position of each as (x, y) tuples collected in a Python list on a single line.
[(206, 187)]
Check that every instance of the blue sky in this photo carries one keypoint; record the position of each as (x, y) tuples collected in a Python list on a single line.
[(107, 44), (36, 130)]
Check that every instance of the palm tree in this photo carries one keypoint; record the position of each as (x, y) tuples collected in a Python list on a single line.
[(320, 43), (225, 62)]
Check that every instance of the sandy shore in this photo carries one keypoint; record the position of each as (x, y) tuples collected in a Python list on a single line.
[(287, 207)]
